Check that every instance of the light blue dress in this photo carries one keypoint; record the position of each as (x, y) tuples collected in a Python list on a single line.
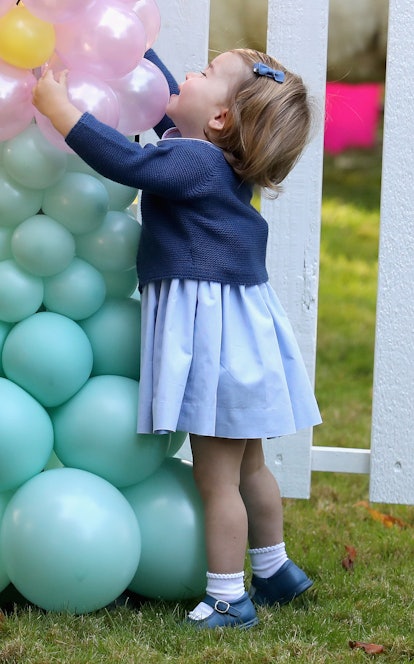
[(220, 360)]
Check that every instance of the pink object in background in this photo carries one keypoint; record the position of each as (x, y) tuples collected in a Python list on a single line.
[(352, 115)]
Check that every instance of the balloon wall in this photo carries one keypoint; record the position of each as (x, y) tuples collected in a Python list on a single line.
[(88, 507)]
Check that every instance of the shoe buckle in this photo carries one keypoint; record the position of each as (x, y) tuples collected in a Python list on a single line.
[(221, 606)]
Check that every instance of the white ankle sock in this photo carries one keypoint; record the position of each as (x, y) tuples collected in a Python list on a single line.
[(227, 587), (268, 560)]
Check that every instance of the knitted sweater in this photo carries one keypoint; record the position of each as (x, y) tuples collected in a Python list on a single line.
[(197, 218)]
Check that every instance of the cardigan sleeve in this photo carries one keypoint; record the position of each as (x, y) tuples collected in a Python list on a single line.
[(175, 169)]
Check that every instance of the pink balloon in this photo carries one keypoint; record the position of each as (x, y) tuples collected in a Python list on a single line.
[(5, 5), (143, 95), (54, 63), (16, 109), (107, 40), (148, 12), (57, 11), (87, 93)]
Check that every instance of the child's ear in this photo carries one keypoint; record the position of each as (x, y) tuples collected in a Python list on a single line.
[(217, 122)]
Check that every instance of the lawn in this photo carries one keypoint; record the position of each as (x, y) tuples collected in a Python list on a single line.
[(359, 555)]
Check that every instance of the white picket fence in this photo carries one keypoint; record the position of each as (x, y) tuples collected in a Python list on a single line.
[(297, 35)]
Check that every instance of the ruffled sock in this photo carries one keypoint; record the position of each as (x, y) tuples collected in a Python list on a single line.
[(227, 587), (267, 560)]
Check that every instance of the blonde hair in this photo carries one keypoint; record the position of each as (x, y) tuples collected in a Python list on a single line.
[(267, 124)]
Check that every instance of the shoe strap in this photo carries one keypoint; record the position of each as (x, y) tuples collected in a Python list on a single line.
[(221, 606)]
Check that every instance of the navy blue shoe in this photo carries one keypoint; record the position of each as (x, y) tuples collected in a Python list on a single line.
[(286, 584), (240, 614)]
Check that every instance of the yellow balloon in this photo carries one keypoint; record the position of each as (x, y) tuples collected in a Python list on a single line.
[(25, 40)]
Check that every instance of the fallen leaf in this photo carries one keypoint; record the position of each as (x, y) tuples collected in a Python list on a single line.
[(386, 519), (348, 561), (369, 648)]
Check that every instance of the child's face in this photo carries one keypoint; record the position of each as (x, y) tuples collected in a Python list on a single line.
[(204, 96)]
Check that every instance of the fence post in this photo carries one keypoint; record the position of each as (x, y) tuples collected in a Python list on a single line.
[(297, 36), (392, 448)]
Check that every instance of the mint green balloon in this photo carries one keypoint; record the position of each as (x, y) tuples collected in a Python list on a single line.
[(170, 514), (70, 541), (32, 160), (113, 246), (4, 578), (96, 431), (42, 246), (120, 196), (26, 436), (17, 202), (4, 330), (21, 293), (78, 201), (5, 243), (121, 284), (114, 332), (77, 165), (177, 439), (77, 292), (53, 462), (49, 356)]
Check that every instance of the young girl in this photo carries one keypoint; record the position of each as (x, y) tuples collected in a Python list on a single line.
[(219, 358)]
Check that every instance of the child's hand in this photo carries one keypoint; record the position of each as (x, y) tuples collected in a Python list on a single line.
[(50, 97), (50, 91)]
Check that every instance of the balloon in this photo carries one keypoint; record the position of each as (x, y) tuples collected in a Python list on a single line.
[(53, 462), (143, 96), (78, 201), (148, 12), (170, 514), (5, 5), (76, 164), (5, 243), (120, 195), (4, 579), (26, 436), (107, 40), (177, 439), (16, 109), (49, 356), (121, 284), (21, 294), (70, 541), (57, 11), (17, 202), (114, 333), (25, 40), (95, 431), (77, 292), (42, 246), (113, 246), (4, 330), (33, 161), (87, 93)]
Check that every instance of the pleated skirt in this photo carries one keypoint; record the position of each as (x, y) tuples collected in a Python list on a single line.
[(220, 360)]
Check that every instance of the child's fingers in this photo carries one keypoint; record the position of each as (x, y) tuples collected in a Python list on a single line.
[(63, 77)]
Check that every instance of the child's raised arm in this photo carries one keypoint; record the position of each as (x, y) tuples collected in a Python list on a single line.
[(50, 97)]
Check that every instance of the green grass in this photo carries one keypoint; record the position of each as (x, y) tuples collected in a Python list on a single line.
[(374, 602), (347, 298)]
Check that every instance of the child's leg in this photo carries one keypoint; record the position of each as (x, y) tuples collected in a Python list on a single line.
[(261, 496), (276, 579), (216, 467)]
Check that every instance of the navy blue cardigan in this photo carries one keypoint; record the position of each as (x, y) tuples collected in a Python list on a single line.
[(197, 217)]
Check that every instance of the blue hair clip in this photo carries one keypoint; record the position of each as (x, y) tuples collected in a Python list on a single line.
[(263, 70)]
